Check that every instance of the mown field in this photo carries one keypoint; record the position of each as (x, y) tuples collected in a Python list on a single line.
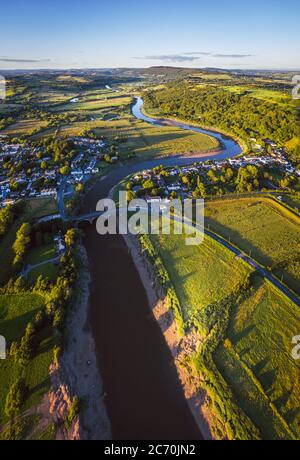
[(16, 311), (263, 228)]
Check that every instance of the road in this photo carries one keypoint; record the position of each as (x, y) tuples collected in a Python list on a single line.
[(30, 267)]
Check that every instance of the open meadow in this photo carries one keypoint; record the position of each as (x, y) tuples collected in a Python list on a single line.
[(263, 228), (256, 360)]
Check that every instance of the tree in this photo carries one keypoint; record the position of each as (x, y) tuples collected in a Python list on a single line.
[(22, 241), (15, 397), (79, 187), (200, 191), (70, 237), (6, 218), (229, 174), (64, 170), (130, 195)]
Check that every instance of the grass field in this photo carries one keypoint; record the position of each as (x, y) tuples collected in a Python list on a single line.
[(94, 104), (49, 271), (253, 353), (33, 209), (6, 107), (278, 97), (24, 127), (15, 313), (201, 275), (258, 366), (263, 227), (40, 253), (292, 200), (147, 140)]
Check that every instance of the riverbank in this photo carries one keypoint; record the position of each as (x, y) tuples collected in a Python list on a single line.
[(178, 346), (79, 362)]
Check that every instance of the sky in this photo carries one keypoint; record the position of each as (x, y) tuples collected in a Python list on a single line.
[(257, 34)]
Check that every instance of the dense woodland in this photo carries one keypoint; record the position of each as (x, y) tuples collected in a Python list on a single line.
[(240, 114)]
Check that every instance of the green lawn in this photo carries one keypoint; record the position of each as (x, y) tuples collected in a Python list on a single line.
[(263, 227), (292, 200)]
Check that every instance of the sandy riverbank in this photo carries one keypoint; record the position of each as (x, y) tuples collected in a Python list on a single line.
[(79, 362), (179, 346)]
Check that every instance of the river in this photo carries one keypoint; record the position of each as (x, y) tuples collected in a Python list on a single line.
[(144, 398)]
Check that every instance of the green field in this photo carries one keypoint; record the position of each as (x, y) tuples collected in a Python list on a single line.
[(202, 275), (265, 228), (6, 107), (40, 253), (32, 209), (49, 271), (91, 105), (147, 140), (279, 97), (15, 313), (258, 366), (245, 360), (24, 127)]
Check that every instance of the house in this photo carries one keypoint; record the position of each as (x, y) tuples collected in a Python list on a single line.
[(60, 246), (153, 199)]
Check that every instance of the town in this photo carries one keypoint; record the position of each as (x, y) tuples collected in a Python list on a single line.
[(270, 169), (29, 172)]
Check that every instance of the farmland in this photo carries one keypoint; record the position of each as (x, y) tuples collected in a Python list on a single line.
[(201, 275), (24, 127), (150, 140), (252, 352), (262, 227), (258, 364)]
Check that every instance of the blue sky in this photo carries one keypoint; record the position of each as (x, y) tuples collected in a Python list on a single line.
[(132, 33)]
